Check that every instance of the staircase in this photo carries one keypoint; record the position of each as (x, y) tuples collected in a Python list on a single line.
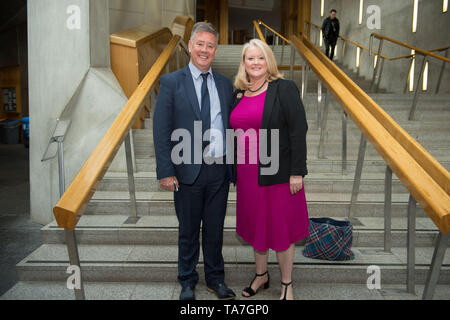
[(139, 261)]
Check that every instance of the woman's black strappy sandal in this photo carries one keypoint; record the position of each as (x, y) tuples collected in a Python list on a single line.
[(285, 290), (249, 289)]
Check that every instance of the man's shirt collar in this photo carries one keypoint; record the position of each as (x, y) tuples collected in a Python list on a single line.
[(196, 72)]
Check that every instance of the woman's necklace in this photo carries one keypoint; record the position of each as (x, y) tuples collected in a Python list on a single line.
[(253, 91)]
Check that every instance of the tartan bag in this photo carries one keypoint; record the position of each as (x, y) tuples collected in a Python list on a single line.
[(329, 239)]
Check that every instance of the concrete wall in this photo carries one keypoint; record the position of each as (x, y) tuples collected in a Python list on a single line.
[(396, 22), (69, 77), (125, 14)]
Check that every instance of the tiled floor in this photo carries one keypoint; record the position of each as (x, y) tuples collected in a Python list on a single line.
[(171, 291)]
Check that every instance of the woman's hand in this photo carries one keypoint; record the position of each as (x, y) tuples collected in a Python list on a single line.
[(296, 184)]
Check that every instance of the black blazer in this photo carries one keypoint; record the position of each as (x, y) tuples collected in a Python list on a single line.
[(283, 110)]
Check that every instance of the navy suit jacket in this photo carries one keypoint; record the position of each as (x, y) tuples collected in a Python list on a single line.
[(177, 107)]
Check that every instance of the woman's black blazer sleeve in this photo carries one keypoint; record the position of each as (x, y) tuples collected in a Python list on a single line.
[(292, 107)]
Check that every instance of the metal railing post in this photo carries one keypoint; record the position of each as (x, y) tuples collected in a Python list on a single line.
[(435, 268), (304, 70), (61, 171), (344, 142), (319, 100), (388, 210), (375, 71), (409, 75), (379, 76), (411, 247), (343, 50), (360, 56), (412, 112), (131, 185), (152, 101), (292, 60), (305, 89), (441, 73), (178, 57), (71, 242), (74, 260), (358, 173), (323, 127)]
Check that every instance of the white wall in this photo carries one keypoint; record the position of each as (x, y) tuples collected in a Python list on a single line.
[(396, 23), (69, 75)]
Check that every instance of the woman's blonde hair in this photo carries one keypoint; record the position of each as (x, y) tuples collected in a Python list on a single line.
[(242, 80)]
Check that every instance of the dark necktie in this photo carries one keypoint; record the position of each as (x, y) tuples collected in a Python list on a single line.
[(206, 104)]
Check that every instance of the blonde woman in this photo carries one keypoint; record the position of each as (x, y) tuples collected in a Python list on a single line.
[(271, 211)]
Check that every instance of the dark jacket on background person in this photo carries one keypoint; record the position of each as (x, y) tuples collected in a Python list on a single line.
[(283, 110), (330, 29)]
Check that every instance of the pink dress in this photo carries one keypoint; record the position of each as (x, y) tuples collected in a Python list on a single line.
[(267, 217)]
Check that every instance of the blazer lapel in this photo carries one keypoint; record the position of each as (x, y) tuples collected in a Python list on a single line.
[(223, 108), (236, 100), (271, 95), (190, 92)]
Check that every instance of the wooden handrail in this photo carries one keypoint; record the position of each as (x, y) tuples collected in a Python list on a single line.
[(413, 55), (258, 30), (425, 178), (362, 47), (72, 204), (417, 50), (420, 154), (373, 52), (134, 37), (440, 49), (279, 35)]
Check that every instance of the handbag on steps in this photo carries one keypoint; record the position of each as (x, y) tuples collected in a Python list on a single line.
[(329, 239)]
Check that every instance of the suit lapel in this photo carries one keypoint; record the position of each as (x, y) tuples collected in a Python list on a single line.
[(271, 95), (190, 92), (236, 100), (223, 108)]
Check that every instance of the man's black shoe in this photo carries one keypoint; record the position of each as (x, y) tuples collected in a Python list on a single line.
[(222, 291), (187, 293)]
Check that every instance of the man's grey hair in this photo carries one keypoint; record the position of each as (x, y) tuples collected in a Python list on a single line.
[(204, 27)]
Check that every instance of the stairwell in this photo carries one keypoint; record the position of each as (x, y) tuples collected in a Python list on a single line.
[(139, 261)]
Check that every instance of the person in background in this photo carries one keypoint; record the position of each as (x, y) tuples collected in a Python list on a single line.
[(330, 33)]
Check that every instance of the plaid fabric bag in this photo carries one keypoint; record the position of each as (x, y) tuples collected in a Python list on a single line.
[(329, 239)]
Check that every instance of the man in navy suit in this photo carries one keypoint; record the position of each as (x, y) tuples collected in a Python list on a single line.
[(196, 100)]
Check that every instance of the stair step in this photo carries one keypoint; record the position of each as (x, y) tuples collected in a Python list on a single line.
[(319, 204), (316, 182), (163, 230), (132, 263), (332, 149)]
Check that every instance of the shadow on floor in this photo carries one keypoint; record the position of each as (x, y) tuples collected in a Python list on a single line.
[(19, 236)]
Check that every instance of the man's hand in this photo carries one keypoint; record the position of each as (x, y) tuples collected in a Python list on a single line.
[(296, 184), (169, 183)]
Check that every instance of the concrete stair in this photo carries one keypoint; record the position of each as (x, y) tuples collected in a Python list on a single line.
[(126, 255)]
